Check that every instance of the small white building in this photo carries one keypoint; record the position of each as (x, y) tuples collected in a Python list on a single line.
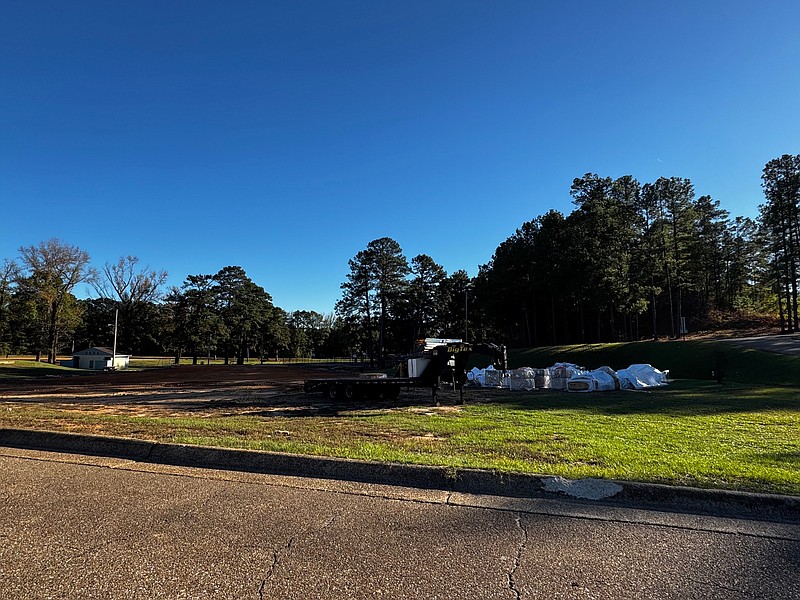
[(99, 358)]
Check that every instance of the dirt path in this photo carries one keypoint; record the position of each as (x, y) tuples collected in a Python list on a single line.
[(196, 391), (199, 390)]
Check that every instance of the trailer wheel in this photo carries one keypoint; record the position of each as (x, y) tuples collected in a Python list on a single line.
[(349, 392), (332, 392)]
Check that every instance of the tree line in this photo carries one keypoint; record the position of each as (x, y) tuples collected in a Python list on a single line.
[(632, 261), (222, 314)]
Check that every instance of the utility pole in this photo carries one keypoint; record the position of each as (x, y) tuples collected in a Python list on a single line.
[(466, 312), (114, 351)]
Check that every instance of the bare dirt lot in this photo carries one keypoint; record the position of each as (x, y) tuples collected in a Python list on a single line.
[(208, 390)]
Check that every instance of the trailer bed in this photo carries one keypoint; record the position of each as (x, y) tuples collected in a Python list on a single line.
[(350, 388)]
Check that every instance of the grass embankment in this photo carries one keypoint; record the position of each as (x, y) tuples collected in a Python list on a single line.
[(26, 366), (17, 368), (737, 435), (684, 360)]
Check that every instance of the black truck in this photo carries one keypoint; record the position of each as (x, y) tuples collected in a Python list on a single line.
[(437, 362)]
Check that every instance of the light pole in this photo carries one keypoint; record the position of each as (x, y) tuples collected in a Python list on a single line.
[(114, 350), (466, 312)]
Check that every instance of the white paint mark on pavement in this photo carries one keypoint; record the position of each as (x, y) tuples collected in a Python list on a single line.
[(586, 489)]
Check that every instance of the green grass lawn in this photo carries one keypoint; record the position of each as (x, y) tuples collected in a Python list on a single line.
[(15, 368)]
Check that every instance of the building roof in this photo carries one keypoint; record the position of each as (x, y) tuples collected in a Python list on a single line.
[(96, 350)]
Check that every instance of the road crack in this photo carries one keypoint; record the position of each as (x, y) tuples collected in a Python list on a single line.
[(278, 554), (512, 583), (721, 586), (281, 553)]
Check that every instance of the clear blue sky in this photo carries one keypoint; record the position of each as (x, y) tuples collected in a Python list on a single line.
[(284, 136)]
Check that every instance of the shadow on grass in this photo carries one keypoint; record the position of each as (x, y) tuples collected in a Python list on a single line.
[(222, 401), (792, 458), (46, 373), (680, 398)]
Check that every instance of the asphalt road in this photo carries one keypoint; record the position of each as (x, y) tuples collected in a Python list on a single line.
[(86, 527), (781, 344)]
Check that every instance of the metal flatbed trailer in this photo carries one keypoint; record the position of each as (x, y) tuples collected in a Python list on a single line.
[(351, 388), (440, 360)]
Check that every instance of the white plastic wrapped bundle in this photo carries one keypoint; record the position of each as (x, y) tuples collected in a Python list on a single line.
[(522, 383), (522, 379), (599, 380), (542, 378), (477, 376), (642, 376), (492, 377), (560, 373)]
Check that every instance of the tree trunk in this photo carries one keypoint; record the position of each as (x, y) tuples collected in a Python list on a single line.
[(599, 325), (790, 323), (780, 306), (381, 342), (527, 325), (671, 307), (653, 312), (370, 349), (52, 336), (612, 323)]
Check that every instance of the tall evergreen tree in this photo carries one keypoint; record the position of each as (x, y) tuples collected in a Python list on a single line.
[(243, 307), (425, 292), (780, 219)]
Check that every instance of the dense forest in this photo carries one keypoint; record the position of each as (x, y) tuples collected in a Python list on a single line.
[(632, 261)]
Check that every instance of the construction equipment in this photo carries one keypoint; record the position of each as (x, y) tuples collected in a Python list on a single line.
[(435, 363)]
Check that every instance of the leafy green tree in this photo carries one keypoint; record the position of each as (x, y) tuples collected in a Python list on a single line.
[(197, 325), (29, 317), (344, 337), (96, 328), (8, 275), (56, 268), (308, 331), (275, 335), (243, 307)]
